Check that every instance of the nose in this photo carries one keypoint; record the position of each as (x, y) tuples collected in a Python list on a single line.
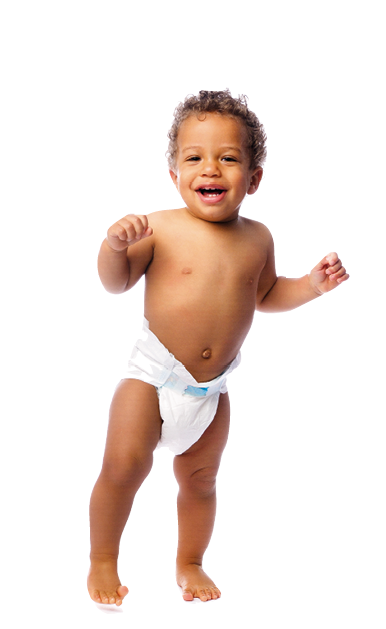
[(210, 168)]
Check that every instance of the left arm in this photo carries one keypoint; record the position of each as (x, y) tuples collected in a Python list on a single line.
[(279, 294)]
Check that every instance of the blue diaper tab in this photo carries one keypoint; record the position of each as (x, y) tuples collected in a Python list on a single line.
[(178, 385), (175, 383), (196, 391)]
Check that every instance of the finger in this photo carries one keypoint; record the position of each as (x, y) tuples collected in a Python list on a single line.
[(332, 258), (133, 227), (124, 229), (144, 221), (120, 230), (328, 260), (130, 228), (334, 268), (340, 273), (138, 226), (320, 266), (148, 232), (135, 236), (142, 227), (343, 278)]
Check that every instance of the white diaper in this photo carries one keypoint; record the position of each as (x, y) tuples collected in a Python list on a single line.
[(187, 407)]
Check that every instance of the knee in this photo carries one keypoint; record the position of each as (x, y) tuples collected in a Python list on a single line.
[(202, 481), (132, 469)]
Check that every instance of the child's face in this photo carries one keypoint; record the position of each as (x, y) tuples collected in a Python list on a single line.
[(212, 155)]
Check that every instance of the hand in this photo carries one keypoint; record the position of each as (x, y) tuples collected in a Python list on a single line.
[(128, 231), (328, 274)]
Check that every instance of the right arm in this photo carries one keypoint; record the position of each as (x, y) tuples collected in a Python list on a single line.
[(123, 259)]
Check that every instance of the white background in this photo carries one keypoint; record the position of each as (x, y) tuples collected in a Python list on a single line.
[(88, 93)]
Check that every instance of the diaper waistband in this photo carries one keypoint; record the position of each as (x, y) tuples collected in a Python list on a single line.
[(153, 363), (179, 386)]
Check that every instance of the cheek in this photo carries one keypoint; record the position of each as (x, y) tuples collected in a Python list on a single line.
[(184, 181), (242, 185)]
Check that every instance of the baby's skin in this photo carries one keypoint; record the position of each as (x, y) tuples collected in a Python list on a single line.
[(207, 270)]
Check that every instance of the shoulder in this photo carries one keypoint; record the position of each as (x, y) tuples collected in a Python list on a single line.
[(165, 222), (163, 216), (256, 229)]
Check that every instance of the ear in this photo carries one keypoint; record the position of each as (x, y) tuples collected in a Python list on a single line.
[(174, 178), (255, 180)]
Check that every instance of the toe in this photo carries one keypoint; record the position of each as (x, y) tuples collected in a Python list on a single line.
[(122, 590), (96, 596), (104, 597), (187, 595), (216, 592), (203, 595)]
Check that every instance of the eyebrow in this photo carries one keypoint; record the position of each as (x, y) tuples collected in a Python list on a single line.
[(224, 148)]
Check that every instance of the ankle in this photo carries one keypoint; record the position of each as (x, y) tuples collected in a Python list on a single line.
[(104, 558), (183, 563)]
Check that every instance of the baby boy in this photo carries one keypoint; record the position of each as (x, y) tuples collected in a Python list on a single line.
[(207, 269)]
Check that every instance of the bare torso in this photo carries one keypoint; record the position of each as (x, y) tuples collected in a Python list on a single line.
[(201, 287)]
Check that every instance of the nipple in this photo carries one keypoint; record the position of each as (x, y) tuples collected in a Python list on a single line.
[(207, 353)]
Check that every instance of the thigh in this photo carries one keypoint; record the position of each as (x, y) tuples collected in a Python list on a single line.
[(206, 453), (134, 422)]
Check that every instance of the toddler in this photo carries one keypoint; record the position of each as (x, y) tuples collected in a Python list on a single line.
[(207, 269)]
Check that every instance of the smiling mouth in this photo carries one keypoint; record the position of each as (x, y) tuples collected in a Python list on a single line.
[(211, 193)]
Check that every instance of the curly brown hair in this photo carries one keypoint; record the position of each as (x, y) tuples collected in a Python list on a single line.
[(223, 103)]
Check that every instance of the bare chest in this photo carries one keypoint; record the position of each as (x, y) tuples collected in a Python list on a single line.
[(206, 262)]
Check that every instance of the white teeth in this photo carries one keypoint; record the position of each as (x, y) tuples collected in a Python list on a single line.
[(211, 193)]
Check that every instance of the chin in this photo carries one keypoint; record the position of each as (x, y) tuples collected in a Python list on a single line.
[(219, 217)]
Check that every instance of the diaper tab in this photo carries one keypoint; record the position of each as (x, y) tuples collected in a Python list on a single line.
[(196, 391), (178, 385), (175, 383)]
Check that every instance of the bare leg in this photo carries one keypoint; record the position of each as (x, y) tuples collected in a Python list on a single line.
[(196, 471), (133, 433)]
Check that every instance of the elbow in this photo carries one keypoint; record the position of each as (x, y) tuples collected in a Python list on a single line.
[(114, 289), (264, 308)]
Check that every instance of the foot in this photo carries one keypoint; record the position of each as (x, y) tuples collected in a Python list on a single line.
[(103, 583), (196, 584)]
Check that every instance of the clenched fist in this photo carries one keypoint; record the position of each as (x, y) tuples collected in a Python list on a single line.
[(328, 274), (127, 231)]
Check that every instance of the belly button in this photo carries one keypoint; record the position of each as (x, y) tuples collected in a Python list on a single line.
[(207, 353)]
